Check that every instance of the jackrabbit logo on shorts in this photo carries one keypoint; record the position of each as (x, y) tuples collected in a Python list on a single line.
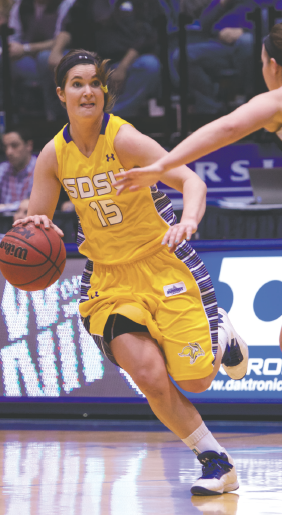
[(192, 351)]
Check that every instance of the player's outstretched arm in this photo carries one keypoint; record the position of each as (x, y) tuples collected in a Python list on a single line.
[(45, 190), (135, 149), (262, 111)]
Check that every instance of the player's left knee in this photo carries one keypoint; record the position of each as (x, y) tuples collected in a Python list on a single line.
[(195, 386)]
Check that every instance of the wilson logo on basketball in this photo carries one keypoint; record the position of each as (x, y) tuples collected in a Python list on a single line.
[(23, 231), (10, 250)]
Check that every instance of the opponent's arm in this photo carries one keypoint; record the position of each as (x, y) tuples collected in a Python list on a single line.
[(45, 190), (262, 111), (136, 149)]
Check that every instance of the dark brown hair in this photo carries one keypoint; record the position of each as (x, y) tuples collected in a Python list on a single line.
[(102, 71), (276, 35)]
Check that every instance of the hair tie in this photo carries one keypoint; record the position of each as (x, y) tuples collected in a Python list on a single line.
[(104, 88)]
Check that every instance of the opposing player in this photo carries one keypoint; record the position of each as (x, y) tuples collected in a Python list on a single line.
[(151, 311)]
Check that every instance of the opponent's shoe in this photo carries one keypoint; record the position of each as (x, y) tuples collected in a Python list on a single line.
[(236, 355), (217, 504), (218, 474)]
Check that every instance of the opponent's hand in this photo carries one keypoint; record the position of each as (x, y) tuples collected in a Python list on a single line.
[(137, 178), (37, 220), (178, 233)]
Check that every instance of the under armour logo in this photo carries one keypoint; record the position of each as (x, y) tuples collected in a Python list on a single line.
[(110, 157), (96, 295)]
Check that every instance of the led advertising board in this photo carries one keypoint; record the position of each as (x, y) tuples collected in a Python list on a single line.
[(46, 353)]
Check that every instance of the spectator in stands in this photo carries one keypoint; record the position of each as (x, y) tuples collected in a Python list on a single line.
[(36, 23), (218, 50), (5, 7), (124, 32), (16, 174)]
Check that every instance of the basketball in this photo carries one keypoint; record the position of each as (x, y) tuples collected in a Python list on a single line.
[(32, 258)]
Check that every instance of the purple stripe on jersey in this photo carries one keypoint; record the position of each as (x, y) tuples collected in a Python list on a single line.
[(66, 134), (105, 123), (66, 131)]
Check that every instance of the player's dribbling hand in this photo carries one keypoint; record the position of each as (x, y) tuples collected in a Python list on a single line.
[(37, 220), (179, 232), (137, 178)]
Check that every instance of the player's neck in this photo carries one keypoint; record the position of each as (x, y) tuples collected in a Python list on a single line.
[(85, 135)]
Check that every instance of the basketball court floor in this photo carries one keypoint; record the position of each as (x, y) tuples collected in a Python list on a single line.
[(67, 468)]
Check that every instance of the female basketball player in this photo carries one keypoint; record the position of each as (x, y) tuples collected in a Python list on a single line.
[(150, 311)]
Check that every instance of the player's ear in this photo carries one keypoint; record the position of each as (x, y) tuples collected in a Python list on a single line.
[(61, 94), (274, 66)]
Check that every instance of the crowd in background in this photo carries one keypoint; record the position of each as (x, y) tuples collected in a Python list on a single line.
[(219, 44), (126, 33)]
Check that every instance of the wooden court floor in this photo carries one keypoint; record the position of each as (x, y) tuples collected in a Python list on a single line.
[(47, 472)]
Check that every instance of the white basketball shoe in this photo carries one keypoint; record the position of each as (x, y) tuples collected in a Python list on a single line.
[(236, 355), (218, 474)]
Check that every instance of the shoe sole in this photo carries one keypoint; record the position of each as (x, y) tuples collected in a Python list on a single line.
[(199, 490), (244, 349)]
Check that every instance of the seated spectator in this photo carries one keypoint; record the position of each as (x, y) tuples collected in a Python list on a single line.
[(124, 33), (218, 50), (36, 23), (16, 174), (5, 7)]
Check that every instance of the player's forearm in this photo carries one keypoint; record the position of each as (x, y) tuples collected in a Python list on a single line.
[(205, 140), (37, 208), (44, 202), (194, 199)]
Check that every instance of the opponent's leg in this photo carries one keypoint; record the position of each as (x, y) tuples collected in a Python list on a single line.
[(141, 357)]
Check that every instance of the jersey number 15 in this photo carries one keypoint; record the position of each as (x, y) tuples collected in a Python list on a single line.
[(106, 209)]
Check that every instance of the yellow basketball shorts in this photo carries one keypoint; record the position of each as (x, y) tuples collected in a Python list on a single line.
[(172, 294)]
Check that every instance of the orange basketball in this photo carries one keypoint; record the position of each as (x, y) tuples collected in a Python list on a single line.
[(32, 258)]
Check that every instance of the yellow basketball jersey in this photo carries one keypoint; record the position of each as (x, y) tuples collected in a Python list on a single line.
[(117, 229)]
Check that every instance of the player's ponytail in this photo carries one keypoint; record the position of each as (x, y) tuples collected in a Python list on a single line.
[(273, 43)]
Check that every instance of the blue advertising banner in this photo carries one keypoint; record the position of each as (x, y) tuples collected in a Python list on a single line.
[(248, 285), (46, 354)]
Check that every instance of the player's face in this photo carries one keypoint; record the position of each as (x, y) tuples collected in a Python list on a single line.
[(268, 70), (83, 94), (17, 151)]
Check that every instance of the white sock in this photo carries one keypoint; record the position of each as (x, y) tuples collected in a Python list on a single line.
[(202, 440), (222, 338)]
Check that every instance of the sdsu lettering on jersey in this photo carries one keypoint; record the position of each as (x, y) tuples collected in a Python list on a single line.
[(109, 222)]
